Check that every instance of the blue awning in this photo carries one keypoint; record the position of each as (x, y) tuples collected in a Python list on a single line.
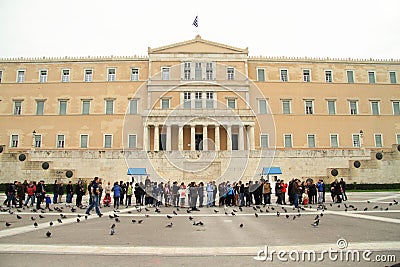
[(137, 171), (271, 170)]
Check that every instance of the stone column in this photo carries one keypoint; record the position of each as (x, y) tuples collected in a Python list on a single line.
[(156, 138), (217, 146), (205, 137), (168, 138), (145, 138), (251, 137), (180, 138), (192, 138), (241, 137), (229, 137)]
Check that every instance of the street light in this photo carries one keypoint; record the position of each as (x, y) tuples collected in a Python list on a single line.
[(361, 137), (33, 137)]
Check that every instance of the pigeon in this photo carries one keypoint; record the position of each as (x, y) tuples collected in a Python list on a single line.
[(287, 216), (129, 211), (78, 220), (117, 220), (294, 217), (355, 209), (240, 208), (112, 232), (113, 226), (169, 225), (365, 209), (316, 223), (146, 209), (278, 213), (41, 216), (48, 233), (169, 217), (33, 218), (63, 216), (241, 225), (59, 221), (8, 224), (254, 208), (233, 214), (387, 209), (73, 209), (157, 210), (190, 218), (133, 221), (110, 216), (316, 218), (258, 207), (272, 208), (86, 217), (174, 212), (140, 221), (115, 215), (35, 224), (177, 209), (188, 211), (146, 215), (19, 217), (368, 201), (234, 210), (216, 211), (51, 223), (255, 214), (261, 211)]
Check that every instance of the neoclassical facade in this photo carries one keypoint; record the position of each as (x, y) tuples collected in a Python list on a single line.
[(197, 109)]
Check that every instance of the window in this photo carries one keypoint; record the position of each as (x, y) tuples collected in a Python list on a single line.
[(198, 102), (107, 141), (17, 107), (85, 107), (353, 107), (306, 76), (165, 103), (165, 73), (133, 106), (392, 77), (39, 107), (311, 140), (209, 99), (111, 75), (109, 106), (331, 107), (14, 140), (198, 71), (38, 140), (20, 76), (375, 107), (65, 76), (43, 76), (134, 74), (398, 138), (396, 107), (334, 140), (62, 107), (284, 75), (231, 102), (84, 141), (356, 140), (1, 75), (350, 76), (378, 140), (328, 76), (209, 71), (262, 106), (261, 75), (371, 76), (309, 105), (186, 71), (132, 141), (186, 100), (288, 140), (264, 142), (88, 75), (230, 73), (286, 109), (60, 141)]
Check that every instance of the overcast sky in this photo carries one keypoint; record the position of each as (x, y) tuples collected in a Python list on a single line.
[(312, 28)]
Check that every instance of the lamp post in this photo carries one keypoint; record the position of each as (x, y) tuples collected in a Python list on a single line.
[(361, 138), (33, 139)]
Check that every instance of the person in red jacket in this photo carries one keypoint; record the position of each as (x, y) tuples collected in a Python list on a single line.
[(283, 190), (30, 189)]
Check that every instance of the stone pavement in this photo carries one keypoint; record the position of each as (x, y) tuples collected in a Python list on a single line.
[(372, 225)]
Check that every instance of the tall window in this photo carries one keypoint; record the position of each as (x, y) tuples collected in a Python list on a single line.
[(186, 71), (378, 140), (396, 107), (209, 99), (198, 102), (261, 75), (311, 140), (17, 107), (371, 76), (375, 107), (1, 75), (133, 106), (107, 141), (43, 76), (288, 140), (14, 140), (60, 141), (39, 107), (38, 140), (353, 107), (334, 140), (88, 75), (284, 75), (111, 75), (231, 102), (198, 71), (165, 73), (331, 107), (20, 76), (356, 140), (132, 141), (328, 76), (392, 77), (85, 107), (350, 76), (230, 73), (65, 76), (134, 74), (264, 142), (262, 106), (398, 138), (62, 110), (187, 100), (286, 109), (209, 71), (309, 105), (84, 141), (109, 106), (306, 76), (165, 103)]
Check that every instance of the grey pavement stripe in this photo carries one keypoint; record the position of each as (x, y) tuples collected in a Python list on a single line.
[(363, 216)]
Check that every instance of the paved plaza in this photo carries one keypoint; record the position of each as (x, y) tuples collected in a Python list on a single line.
[(371, 222)]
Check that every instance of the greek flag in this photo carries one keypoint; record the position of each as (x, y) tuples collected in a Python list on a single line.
[(196, 22)]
